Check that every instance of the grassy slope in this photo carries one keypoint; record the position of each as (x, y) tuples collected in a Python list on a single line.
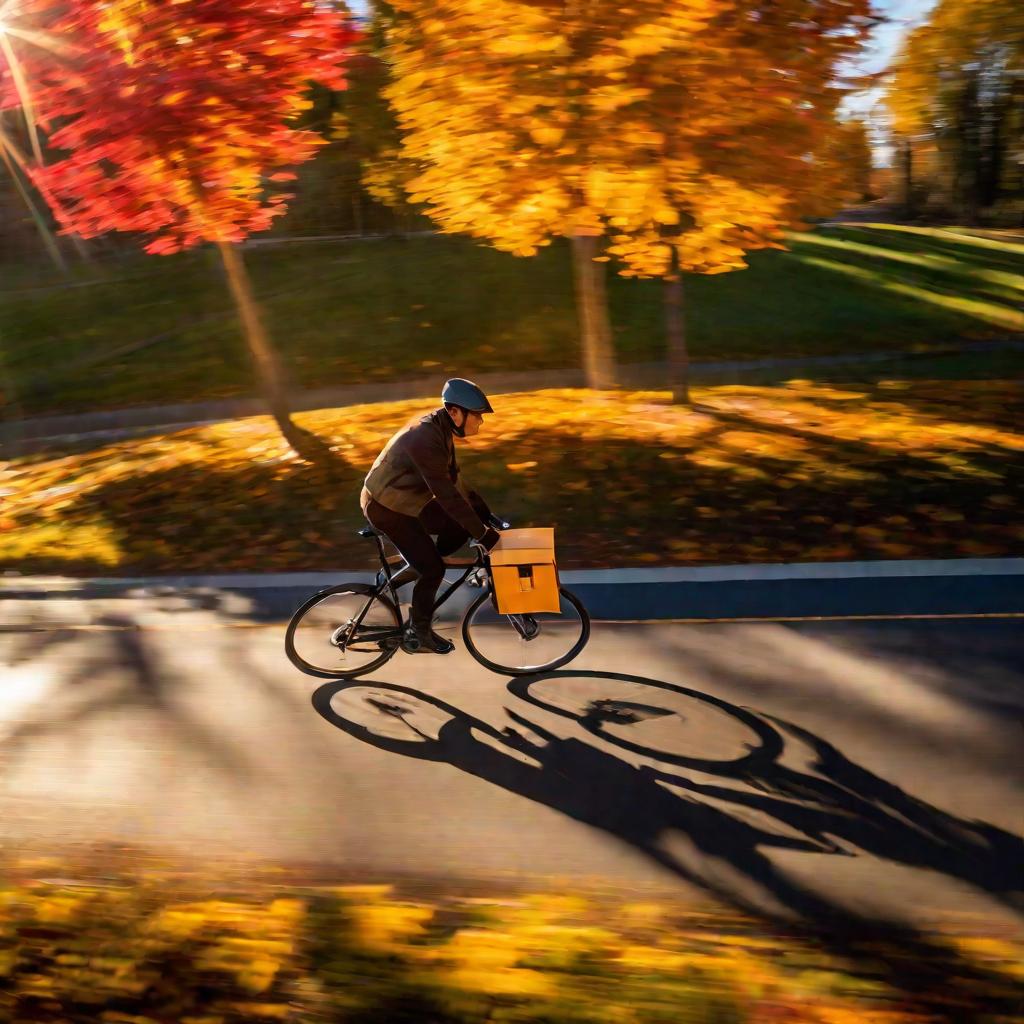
[(376, 310)]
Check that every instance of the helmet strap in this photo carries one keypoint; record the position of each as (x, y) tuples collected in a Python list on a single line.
[(456, 429)]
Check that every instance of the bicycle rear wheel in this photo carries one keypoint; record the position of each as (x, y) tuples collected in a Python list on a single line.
[(520, 645), (323, 638)]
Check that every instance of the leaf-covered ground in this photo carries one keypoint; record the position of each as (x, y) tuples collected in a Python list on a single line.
[(801, 472), (153, 330), (128, 938)]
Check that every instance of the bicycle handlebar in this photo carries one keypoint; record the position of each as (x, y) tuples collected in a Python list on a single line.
[(497, 523)]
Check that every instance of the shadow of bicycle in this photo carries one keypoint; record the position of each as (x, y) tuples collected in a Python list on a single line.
[(682, 776)]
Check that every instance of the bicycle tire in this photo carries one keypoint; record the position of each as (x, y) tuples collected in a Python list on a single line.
[(319, 672), (532, 669)]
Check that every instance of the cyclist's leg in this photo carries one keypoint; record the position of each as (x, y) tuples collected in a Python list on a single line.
[(409, 535), (450, 535)]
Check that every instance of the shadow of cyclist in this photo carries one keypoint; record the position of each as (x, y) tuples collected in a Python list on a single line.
[(698, 842), (832, 802), (600, 790)]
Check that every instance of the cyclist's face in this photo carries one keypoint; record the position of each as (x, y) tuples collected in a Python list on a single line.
[(474, 421)]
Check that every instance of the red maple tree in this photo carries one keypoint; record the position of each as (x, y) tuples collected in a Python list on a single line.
[(170, 118)]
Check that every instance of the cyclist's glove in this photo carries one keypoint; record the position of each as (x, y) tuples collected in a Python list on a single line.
[(490, 538)]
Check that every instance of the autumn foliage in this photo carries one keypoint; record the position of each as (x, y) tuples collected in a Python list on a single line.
[(687, 130), (760, 474), (154, 942), (169, 119)]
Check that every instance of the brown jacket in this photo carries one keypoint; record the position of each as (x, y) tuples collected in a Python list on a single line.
[(418, 464)]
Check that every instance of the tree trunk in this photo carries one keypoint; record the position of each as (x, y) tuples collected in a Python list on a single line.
[(993, 162), (357, 213), (969, 139), (269, 371), (999, 129), (15, 163), (45, 234), (907, 161), (675, 337), (592, 310)]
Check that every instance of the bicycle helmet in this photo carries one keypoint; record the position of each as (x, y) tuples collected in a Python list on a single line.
[(466, 395)]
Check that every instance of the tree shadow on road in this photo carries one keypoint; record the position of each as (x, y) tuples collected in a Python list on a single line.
[(702, 833), (120, 670)]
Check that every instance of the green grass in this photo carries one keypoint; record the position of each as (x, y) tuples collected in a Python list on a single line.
[(351, 312), (976, 363)]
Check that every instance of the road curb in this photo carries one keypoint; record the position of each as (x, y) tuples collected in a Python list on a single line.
[(953, 587)]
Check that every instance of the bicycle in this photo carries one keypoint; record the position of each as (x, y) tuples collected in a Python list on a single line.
[(352, 629)]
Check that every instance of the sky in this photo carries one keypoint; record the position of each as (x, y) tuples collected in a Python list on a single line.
[(901, 17)]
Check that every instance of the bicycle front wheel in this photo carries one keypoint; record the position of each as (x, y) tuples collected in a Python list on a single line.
[(343, 632), (520, 645)]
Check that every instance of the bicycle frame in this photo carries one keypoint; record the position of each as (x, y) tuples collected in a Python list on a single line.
[(388, 586), (339, 619), (525, 626)]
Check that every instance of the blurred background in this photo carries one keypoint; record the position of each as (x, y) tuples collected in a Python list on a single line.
[(744, 280), (623, 200), (716, 196)]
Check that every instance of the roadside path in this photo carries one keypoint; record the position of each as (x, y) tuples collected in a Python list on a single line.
[(32, 434)]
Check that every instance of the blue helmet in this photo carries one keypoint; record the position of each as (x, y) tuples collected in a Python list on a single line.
[(466, 395)]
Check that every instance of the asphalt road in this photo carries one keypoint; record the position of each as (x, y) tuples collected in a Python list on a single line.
[(856, 770)]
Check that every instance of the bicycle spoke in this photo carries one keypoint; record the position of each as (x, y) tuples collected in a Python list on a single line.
[(342, 632), (390, 714), (522, 643)]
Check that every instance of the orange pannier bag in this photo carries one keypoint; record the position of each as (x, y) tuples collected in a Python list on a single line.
[(524, 571)]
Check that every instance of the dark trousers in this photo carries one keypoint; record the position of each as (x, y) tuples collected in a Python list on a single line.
[(411, 535)]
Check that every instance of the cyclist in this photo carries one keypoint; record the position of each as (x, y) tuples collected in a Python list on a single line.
[(414, 489)]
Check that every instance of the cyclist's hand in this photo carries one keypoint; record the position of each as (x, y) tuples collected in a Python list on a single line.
[(490, 538)]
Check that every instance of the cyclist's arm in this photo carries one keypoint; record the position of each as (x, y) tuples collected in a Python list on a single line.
[(430, 457), (475, 498)]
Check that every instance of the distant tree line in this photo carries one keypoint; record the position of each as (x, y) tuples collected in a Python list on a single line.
[(955, 98)]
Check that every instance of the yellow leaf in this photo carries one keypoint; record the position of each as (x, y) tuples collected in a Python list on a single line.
[(547, 135)]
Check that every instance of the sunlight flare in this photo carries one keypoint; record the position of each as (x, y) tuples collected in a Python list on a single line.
[(14, 161), (22, 89)]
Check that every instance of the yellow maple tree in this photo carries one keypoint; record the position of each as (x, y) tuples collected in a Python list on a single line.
[(683, 132)]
